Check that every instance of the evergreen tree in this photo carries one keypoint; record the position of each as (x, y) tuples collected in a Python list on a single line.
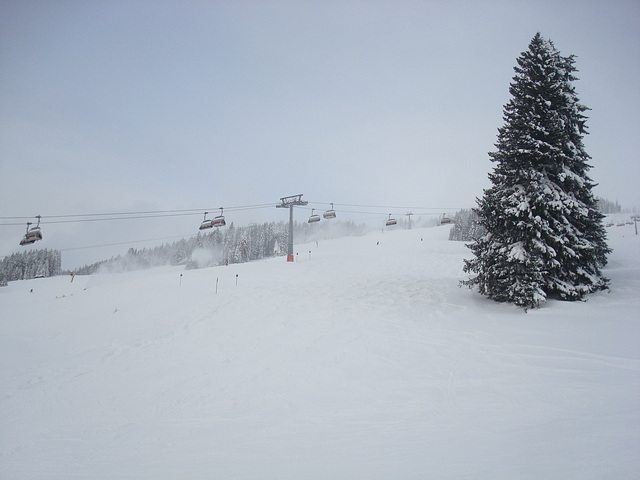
[(545, 236)]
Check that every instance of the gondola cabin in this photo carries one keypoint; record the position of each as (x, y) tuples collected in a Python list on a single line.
[(391, 221), (314, 218), (331, 213)]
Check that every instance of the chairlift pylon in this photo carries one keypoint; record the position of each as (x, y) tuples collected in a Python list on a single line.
[(331, 213), (33, 234)]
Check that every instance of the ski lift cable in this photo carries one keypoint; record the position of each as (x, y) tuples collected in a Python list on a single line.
[(97, 217), (109, 214), (83, 220), (394, 207), (138, 215), (383, 213), (80, 217), (126, 243), (398, 210), (148, 212), (194, 211)]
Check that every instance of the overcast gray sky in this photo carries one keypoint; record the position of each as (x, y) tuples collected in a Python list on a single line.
[(120, 106)]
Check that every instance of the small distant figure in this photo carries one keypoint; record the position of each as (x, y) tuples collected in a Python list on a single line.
[(72, 276), (32, 290)]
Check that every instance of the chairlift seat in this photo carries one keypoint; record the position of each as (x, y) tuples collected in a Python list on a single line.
[(329, 214), (314, 217), (32, 236), (218, 221), (390, 222), (206, 224)]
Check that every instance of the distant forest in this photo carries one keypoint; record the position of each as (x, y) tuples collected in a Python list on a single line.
[(223, 246), (607, 206), (466, 226), (30, 264)]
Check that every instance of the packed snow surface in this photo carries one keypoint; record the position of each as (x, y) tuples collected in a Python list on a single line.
[(363, 359)]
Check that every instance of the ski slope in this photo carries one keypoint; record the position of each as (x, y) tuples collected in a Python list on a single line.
[(364, 359)]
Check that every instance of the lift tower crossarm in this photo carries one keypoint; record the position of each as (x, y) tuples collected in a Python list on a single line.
[(293, 200), (290, 202)]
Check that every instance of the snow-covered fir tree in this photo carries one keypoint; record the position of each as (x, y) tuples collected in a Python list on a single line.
[(545, 236)]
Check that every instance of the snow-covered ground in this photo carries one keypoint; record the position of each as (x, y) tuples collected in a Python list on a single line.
[(362, 360)]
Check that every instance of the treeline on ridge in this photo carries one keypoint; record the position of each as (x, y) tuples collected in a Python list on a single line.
[(30, 264), (223, 246)]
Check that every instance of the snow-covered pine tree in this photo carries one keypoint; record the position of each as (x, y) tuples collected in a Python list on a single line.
[(545, 236)]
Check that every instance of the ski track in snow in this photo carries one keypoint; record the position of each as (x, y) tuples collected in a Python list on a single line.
[(364, 359)]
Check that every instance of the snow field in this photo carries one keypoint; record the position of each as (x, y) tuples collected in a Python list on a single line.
[(363, 359)]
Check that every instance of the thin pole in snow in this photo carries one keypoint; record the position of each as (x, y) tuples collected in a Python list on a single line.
[(236, 279), (180, 279), (216, 286)]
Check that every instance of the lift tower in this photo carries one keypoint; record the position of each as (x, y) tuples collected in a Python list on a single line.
[(290, 202), (409, 215)]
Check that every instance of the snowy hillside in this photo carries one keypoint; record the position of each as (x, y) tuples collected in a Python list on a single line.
[(362, 360)]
